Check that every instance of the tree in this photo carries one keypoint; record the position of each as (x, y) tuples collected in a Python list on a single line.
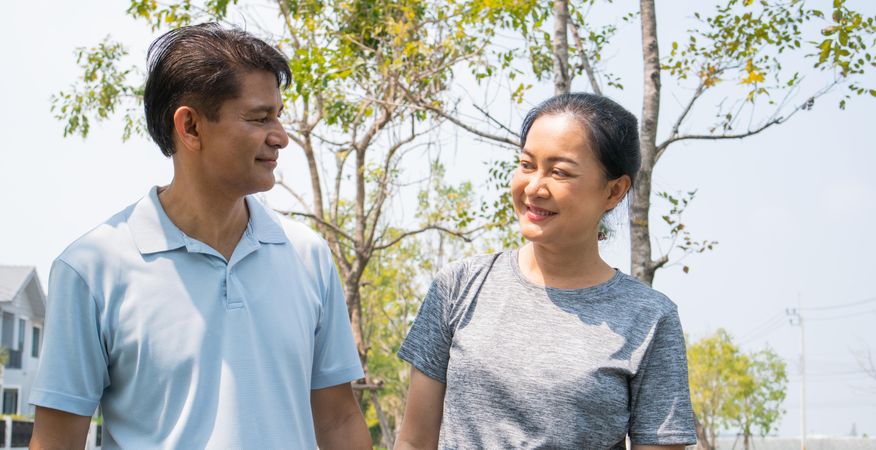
[(761, 393), (354, 66), (393, 286), (715, 370), (741, 55), (731, 389)]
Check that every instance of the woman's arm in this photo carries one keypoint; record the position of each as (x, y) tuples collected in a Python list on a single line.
[(422, 420), (658, 447)]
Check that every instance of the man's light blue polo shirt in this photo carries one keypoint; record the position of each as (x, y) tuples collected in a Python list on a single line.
[(184, 350)]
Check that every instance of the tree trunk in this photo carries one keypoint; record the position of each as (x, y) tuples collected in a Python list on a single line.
[(385, 430), (562, 79), (702, 440), (746, 441), (643, 267), (354, 307)]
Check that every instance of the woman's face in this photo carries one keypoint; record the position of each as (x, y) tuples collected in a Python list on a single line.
[(560, 190)]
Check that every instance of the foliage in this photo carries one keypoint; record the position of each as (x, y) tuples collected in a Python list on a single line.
[(732, 389), (762, 393), (715, 368), (103, 87), (394, 285), (680, 237)]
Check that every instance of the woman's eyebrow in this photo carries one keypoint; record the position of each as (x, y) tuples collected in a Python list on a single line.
[(553, 159)]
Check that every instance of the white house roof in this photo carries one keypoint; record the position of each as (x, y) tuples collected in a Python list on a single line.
[(14, 279)]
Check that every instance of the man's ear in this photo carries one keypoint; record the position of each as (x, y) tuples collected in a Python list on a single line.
[(617, 188), (187, 126)]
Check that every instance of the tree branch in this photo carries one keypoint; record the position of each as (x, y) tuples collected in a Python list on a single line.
[(774, 120), (697, 94), (456, 121), (660, 262), (496, 121), (715, 137), (464, 235), (319, 220), (585, 61), (295, 195)]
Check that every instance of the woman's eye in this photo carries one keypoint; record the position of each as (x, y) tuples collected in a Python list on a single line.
[(525, 165), (559, 173)]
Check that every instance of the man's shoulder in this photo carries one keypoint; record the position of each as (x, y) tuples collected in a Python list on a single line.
[(307, 243), (296, 232), (110, 237)]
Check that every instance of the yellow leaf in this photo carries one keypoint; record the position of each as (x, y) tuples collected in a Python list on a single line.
[(754, 76)]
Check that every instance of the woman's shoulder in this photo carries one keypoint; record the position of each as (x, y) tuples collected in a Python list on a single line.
[(460, 271), (631, 289)]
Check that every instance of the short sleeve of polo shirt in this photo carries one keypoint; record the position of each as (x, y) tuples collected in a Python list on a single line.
[(660, 398), (335, 358), (73, 370)]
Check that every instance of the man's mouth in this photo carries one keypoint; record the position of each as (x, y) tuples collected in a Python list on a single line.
[(271, 162)]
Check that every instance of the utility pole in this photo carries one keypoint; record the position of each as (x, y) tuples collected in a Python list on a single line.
[(796, 319)]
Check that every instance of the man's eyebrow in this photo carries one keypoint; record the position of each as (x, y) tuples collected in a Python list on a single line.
[(553, 159), (265, 109)]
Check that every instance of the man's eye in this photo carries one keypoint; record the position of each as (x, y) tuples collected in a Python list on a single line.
[(260, 119)]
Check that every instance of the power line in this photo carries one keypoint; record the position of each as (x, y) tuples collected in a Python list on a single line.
[(845, 305), (844, 316), (769, 325)]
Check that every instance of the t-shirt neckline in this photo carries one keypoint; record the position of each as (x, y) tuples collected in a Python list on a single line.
[(586, 292)]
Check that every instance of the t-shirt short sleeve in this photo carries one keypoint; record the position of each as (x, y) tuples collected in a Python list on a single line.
[(661, 412), (427, 345), (73, 371), (335, 358)]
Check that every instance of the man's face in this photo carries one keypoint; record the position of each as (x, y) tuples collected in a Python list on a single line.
[(240, 149)]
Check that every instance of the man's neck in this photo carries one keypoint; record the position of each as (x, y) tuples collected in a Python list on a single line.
[(214, 218)]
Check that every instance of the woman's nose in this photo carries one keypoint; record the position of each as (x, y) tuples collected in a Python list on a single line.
[(535, 186)]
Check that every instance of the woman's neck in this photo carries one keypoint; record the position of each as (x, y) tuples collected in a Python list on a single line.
[(569, 267)]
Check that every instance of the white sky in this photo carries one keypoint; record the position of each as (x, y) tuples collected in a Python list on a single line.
[(792, 208)]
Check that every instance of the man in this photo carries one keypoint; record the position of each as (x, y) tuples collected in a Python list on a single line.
[(196, 318)]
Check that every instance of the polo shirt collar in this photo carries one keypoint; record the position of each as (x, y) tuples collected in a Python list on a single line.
[(265, 227), (154, 232)]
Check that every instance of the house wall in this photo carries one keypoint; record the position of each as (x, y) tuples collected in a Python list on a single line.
[(22, 378)]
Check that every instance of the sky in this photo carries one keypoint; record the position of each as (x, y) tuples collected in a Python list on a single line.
[(792, 208)]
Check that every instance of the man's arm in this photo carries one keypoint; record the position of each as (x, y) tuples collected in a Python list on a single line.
[(338, 420), (422, 421), (58, 430)]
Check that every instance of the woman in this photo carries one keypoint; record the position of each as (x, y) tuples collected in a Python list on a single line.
[(547, 346)]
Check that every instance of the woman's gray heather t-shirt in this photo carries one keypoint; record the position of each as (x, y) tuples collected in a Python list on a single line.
[(528, 366)]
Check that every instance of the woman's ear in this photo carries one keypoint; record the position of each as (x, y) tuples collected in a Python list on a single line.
[(617, 189), (186, 125)]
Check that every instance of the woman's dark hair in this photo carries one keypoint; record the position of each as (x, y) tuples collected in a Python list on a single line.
[(612, 130), (201, 65)]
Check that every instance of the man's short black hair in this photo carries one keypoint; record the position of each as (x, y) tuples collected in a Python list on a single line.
[(201, 65)]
